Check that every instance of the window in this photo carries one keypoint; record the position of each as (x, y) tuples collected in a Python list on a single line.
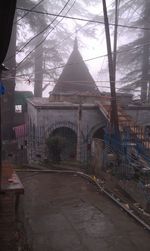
[(18, 108)]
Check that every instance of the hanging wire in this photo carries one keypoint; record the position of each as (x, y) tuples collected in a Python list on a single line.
[(36, 5), (84, 19), (48, 26)]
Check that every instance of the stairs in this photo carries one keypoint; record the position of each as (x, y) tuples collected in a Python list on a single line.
[(127, 124)]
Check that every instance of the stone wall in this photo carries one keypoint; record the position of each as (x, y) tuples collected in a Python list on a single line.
[(8, 227), (75, 98), (140, 114), (47, 119), (97, 151), (136, 192)]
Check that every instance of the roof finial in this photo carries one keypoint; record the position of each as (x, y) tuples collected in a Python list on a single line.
[(76, 42)]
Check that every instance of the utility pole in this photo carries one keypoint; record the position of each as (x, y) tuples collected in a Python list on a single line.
[(115, 37), (111, 65)]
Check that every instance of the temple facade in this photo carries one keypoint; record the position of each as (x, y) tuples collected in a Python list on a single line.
[(76, 111), (70, 111)]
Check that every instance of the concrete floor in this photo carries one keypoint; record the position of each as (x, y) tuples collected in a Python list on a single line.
[(66, 213)]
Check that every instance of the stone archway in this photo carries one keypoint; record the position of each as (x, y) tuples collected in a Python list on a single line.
[(99, 133), (58, 124), (70, 142), (96, 131)]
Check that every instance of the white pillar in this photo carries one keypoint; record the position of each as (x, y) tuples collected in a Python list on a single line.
[(79, 132)]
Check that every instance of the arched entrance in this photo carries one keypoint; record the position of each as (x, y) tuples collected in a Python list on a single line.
[(96, 131), (95, 139), (70, 142), (99, 133)]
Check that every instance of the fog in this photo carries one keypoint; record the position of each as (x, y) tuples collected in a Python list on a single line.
[(49, 39)]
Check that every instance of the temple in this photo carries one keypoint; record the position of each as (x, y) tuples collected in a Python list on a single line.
[(70, 111)]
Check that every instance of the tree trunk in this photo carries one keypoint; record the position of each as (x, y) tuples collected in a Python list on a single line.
[(38, 73)]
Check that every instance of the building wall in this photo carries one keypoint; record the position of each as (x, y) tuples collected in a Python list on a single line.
[(97, 153), (32, 113), (140, 115), (42, 121)]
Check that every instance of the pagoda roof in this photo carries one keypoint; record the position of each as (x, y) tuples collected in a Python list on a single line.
[(75, 76)]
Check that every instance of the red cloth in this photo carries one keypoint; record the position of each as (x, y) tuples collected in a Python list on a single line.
[(20, 131)]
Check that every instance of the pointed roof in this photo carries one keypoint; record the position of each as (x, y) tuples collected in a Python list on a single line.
[(75, 76)]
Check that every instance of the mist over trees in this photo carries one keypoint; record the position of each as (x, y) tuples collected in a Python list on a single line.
[(44, 42), (47, 40), (135, 59)]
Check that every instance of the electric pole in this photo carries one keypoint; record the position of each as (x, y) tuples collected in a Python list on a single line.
[(115, 37), (112, 69)]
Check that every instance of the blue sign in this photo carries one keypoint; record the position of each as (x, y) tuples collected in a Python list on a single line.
[(2, 89)]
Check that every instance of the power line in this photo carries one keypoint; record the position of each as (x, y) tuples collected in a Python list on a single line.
[(53, 28), (90, 59), (83, 19), (81, 82), (50, 32), (97, 56), (73, 33), (28, 11), (52, 84), (47, 34), (19, 50), (67, 36), (86, 60)]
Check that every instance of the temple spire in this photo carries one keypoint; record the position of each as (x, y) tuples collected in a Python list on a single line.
[(75, 77), (75, 47)]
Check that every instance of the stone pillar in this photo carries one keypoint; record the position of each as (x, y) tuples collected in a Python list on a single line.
[(79, 117)]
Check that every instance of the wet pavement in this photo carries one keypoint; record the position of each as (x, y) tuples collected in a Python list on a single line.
[(66, 213)]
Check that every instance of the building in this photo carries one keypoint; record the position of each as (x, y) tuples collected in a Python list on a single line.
[(70, 111), (76, 111)]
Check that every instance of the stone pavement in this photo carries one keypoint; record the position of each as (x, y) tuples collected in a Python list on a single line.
[(66, 213)]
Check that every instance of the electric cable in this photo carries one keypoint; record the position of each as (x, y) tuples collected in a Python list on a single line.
[(52, 47), (51, 83), (84, 19), (19, 50), (36, 5), (63, 40), (45, 37), (105, 55)]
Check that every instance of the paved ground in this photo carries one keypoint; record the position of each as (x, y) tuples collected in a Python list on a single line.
[(65, 212)]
